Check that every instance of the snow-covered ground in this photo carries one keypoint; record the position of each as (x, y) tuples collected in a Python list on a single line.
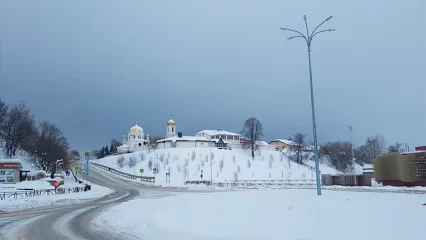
[(69, 182), (268, 165), (42, 201), (271, 214)]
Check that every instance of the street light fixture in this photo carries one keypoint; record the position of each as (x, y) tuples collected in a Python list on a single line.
[(58, 161), (308, 39)]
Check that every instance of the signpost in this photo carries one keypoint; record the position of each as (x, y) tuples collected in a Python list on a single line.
[(167, 177), (141, 171)]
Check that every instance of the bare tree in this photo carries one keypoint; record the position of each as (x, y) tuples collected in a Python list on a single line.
[(120, 161), (17, 126), (339, 155), (248, 163), (153, 142), (373, 147), (252, 130), (397, 147), (235, 175), (132, 161), (3, 111), (296, 153), (142, 156), (150, 163)]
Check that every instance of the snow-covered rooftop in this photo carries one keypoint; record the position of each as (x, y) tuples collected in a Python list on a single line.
[(217, 132), (367, 166), (185, 138), (288, 142), (262, 143), (123, 146), (11, 161)]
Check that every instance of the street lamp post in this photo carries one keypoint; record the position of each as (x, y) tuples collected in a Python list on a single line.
[(308, 39)]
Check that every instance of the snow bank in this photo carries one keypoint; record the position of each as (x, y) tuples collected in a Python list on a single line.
[(286, 214), (268, 165), (96, 191)]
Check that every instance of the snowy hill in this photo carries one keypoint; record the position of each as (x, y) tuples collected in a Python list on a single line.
[(237, 164)]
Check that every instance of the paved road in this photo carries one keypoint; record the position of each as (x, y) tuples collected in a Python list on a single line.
[(72, 222)]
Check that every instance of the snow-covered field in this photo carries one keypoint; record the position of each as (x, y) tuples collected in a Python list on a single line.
[(268, 165), (271, 214)]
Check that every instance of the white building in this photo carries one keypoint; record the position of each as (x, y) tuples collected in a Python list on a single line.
[(185, 142), (135, 140), (229, 137)]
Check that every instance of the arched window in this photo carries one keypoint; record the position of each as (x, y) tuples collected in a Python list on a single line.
[(173, 129)]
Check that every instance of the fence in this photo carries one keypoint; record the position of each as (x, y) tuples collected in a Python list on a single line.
[(126, 175), (40, 192), (346, 180), (259, 183)]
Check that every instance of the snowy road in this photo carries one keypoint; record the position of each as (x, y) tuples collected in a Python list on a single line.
[(73, 221)]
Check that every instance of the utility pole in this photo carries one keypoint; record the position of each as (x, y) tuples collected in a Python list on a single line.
[(352, 146), (308, 39)]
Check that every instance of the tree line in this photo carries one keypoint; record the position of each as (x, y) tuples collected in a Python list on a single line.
[(112, 149), (43, 141), (338, 153)]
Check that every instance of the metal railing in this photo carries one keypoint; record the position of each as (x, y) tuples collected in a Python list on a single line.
[(39, 192), (259, 183), (126, 175)]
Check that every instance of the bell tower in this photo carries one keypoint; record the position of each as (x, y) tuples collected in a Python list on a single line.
[(171, 129)]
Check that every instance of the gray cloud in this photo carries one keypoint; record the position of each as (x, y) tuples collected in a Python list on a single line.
[(94, 67)]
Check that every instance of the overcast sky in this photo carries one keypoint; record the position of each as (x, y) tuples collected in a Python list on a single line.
[(94, 67)]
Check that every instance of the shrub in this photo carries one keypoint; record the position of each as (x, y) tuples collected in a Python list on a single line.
[(132, 161), (233, 158), (235, 175), (150, 163), (194, 155), (221, 165), (120, 161), (239, 168), (270, 163), (142, 156)]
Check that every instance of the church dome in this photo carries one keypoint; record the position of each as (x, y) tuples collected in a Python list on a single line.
[(136, 128), (171, 122)]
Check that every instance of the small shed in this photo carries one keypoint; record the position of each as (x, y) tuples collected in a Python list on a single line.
[(10, 170)]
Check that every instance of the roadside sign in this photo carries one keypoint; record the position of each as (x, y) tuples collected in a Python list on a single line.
[(141, 170), (77, 168), (154, 169)]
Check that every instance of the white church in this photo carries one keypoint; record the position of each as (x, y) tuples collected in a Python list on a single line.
[(135, 140)]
